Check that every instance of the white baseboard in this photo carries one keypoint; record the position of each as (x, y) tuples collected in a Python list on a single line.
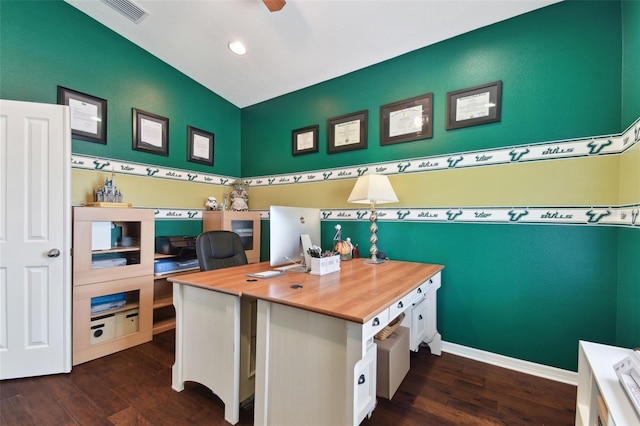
[(540, 370)]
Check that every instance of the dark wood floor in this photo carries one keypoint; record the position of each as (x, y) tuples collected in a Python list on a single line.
[(133, 387)]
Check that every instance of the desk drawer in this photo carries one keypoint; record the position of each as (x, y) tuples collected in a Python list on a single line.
[(434, 280), (401, 305), (374, 325), (422, 289)]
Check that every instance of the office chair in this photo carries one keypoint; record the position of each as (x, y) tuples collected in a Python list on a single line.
[(219, 249)]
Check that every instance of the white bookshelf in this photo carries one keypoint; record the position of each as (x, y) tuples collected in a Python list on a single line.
[(596, 378)]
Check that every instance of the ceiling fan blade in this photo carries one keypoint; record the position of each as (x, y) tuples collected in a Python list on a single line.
[(274, 5)]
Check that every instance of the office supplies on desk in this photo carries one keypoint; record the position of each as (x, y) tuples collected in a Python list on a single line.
[(265, 274)]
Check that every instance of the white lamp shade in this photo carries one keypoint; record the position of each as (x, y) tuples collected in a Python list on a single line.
[(372, 189)]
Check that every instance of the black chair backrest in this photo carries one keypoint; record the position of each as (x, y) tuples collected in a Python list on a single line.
[(219, 249)]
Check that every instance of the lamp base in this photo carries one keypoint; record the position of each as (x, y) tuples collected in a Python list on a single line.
[(374, 262)]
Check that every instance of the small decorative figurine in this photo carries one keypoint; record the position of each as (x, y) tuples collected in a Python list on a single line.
[(343, 248), (108, 193), (211, 203), (225, 202), (239, 196), (338, 236)]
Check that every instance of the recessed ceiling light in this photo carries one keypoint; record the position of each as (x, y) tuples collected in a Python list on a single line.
[(237, 47)]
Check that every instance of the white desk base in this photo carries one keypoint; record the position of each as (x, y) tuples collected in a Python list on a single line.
[(208, 344), (308, 366)]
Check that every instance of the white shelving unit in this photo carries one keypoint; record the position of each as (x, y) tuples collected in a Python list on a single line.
[(597, 379)]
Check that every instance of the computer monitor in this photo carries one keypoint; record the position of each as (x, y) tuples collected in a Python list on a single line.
[(286, 226)]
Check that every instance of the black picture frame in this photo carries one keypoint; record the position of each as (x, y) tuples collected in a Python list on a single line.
[(87, 113), (341, 129), (469, 107), (150, 132), (200, 146), (398, 120), (305, 140)]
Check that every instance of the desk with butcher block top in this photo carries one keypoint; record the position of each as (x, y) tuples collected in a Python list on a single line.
[(315, 356)]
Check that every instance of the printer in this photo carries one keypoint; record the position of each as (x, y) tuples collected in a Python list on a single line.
[(176, 245), (180, 254)]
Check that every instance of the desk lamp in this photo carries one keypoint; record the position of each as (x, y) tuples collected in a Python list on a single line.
[(373, 189)]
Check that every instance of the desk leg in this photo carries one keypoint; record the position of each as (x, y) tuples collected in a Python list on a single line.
[(435, 344), (177, 381), (208, 344), (263, 320)]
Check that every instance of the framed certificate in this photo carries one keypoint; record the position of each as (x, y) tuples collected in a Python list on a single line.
[(88, 115), (304, 140), (200, 146), (347, 132), (475, 105), (407, 120), (150, 132)]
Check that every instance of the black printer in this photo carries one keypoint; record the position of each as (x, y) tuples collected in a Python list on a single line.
[(181, 251), (176, 245)]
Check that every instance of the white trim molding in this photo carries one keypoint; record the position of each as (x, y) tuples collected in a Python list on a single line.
[(527, 367)]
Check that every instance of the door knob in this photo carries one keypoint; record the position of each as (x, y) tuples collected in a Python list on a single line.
[(53, 252)]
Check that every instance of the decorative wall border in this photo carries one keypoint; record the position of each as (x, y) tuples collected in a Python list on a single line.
[(612, 216), (146, 170), (555, 150), (626, 216)]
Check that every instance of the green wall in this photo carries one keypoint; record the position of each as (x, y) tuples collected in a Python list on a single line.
[(552, 81), (628, 295), (630, 62), (44, 44)]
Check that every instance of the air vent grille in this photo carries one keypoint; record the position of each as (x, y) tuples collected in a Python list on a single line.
[(128, 9)]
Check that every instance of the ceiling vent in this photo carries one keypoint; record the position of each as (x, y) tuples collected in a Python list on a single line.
[(128, 9)]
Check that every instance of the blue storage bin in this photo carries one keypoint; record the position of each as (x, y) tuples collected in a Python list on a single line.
[(108, 302)]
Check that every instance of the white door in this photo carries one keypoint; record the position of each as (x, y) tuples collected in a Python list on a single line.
[(35, 225)]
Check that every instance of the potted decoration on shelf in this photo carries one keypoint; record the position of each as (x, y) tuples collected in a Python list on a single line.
[(343, 248)]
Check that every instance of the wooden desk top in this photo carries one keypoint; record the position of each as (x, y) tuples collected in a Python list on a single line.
[(356, 293)]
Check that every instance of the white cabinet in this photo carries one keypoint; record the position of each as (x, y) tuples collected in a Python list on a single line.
[(601, 399), (421, 317), (418, 323), (365, 385)]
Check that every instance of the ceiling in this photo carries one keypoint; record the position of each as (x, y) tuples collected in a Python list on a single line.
[(307, 42)]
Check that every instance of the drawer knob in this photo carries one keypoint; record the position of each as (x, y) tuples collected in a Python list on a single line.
[(400, 304), (376, 321), (419, 317), (430, 281), (419, 290), (361, 379)]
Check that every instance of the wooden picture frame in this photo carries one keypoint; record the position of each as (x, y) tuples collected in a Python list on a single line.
[(347, 132), (200, 146), (407, 120), (304, 140), (88, 115), (474, 106), (150, 132)]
